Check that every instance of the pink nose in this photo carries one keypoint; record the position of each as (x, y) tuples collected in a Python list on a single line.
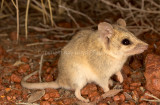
[(145, 47)]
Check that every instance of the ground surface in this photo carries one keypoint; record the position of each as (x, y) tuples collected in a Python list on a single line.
[(19, 60)]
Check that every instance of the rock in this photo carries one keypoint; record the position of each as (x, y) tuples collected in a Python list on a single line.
[(23, 68), (15, 78), (116, 98), (136, 64), (136, 84), (48, 78), (24, 59), (53, 93), (88, 89), (122, 97), (126, 70), (152, 74), (45, 103), (157, 47), (143, 103), (68, 101), (46, 97), (151, 38), (102, 103)]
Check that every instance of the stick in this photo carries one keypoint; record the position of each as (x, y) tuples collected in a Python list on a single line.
[(26, 19)]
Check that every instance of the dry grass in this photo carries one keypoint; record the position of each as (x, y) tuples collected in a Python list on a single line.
[(45, 15)]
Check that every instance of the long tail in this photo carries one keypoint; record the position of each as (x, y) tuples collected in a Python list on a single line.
[(38, 85)]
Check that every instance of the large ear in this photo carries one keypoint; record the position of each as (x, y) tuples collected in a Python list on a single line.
[(105, 29), (121, 22)]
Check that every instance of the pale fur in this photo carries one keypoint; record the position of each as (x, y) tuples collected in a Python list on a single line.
[(86, 58)]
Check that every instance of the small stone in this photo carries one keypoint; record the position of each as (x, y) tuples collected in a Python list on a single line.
[(101, 103), (48, 78), (116, 98), (46, 97), (23, 68), (152, 74), (50, 99), (156, 82), (93, 94), (68, 101), (136, 64), (15, 78), (143, 103), (53, 93), (53, 103), (45, 103), (126, 70), (122, 97), (9, 98), (24, 59), (131, 102), (136, 84), (48, 70), (88, 89)]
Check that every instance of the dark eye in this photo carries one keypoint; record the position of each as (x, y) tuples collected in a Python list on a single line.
[(126, 42)]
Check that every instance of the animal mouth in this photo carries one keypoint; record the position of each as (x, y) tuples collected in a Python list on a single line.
[(138, 49)]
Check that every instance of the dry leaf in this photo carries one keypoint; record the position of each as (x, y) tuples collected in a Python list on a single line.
[(128, 97), (36, 96), (111, 93), (17, 63)]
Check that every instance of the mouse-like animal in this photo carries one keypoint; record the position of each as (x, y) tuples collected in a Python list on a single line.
[(93, 56)]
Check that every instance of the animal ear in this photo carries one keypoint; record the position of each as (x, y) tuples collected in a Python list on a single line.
[(121, 22), (105, 29)]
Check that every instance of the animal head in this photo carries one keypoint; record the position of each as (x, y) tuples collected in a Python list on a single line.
[(118, 41)]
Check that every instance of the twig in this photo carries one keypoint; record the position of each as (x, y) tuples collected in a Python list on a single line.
[(40, 68), (26, 19), (59, 28), (2, 3), (43, 8), (156, 99), (42, 43), (17, 20), (17, 9), (50, 10), (77, 12), (132, 8), (73, 19), (14, 4), (22, 103)]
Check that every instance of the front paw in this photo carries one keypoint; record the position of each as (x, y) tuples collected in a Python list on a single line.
[(120, 78)]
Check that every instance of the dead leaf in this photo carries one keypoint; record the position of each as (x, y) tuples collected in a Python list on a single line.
[(111, 93), (36, 96), (17, 63), (128, 97)]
